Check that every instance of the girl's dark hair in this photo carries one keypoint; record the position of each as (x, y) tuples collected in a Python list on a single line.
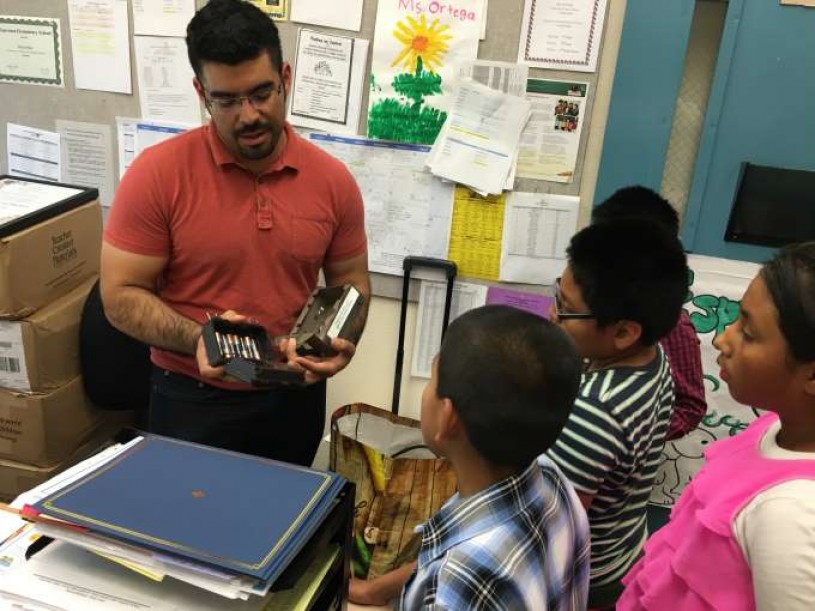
[(790, 279), (230, 32)]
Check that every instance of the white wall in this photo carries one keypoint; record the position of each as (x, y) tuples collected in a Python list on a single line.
[(369, 377)]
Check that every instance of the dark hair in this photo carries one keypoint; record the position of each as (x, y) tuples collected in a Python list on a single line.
[(637, 202), (630, 269), (790, 279), (512, 378), (230, 32)]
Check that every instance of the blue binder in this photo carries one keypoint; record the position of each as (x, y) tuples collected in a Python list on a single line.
[(241, 513)]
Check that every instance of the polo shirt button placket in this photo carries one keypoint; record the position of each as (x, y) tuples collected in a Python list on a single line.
[(263, 211)]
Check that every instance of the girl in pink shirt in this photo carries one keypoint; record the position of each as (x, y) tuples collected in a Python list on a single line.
[(742, 536)]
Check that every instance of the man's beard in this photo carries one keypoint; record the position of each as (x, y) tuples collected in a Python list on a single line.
[(262, 150)]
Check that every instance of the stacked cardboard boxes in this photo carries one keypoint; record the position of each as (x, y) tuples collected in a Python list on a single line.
[(46, 271)]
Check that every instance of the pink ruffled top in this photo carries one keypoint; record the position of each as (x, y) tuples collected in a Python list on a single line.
[(695, 562)]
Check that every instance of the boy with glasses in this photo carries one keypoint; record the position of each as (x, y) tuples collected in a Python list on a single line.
[(681, 344), (621, 291), (238, 216)]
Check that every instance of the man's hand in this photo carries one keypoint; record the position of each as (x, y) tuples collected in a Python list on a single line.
[(318, 368), (204, 366)]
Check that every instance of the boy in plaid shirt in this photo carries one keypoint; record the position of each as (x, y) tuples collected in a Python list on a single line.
[(515, 535)]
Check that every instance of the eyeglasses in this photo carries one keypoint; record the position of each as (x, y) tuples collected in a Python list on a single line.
[(256, 99), (561, 315)]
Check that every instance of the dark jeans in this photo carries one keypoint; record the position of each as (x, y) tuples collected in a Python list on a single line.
[(283, 423)]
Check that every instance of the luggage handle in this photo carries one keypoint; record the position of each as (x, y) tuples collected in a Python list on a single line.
[(450, 269)]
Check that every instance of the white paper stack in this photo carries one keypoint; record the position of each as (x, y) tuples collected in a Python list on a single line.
[(478, 144), (64, 577)]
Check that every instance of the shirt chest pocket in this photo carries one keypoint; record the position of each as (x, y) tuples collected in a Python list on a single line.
[(310, 239)]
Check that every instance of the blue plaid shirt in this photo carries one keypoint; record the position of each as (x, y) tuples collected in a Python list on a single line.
[(522, 543)]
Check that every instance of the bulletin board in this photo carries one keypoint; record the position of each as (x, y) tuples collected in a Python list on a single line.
[(41, 107)]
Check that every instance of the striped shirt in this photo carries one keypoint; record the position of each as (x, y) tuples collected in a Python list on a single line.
[(522, 543), (610, 449)]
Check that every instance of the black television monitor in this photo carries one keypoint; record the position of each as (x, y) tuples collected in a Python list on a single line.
[(773, 207)]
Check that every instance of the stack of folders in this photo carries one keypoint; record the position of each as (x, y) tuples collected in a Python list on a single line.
[(225, 522)]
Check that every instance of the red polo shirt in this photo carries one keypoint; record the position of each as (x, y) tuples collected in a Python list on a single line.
[(253, 244)]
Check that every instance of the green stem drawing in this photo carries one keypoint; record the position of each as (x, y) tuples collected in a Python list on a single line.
[(407, 118)]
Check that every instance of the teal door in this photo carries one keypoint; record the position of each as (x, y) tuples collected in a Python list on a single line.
[(761, 111)]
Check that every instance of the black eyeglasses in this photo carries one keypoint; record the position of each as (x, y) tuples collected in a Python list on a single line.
[(561, 315), (233, 103)]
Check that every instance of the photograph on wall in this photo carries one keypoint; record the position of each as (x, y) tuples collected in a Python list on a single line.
[(418, 48)]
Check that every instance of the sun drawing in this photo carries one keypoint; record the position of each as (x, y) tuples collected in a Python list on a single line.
[(421, 40)]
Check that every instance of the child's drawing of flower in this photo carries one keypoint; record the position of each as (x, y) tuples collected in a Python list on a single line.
[(420, 40)]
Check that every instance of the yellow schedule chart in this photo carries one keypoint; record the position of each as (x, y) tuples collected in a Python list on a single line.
[(476, 232)]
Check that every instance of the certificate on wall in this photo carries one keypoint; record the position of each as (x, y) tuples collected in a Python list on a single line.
[(562, 34), (30, 51), (322, 78)]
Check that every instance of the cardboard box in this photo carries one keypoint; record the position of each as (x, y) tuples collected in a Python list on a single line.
[(42, 263), (41, 352), (17, 477), (43, 429)]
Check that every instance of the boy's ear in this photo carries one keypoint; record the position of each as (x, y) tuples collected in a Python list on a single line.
[(626, 334), (448, 421)]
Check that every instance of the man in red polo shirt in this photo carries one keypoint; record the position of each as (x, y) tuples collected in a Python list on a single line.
[(240, 214)]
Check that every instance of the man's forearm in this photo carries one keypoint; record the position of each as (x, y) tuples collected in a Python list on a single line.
[(144, 316), (360, 319), (353, 271), (363, 286)]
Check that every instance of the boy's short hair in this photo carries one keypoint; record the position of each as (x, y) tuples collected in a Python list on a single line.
[(512, 378), (790, 280), (637, 202), (630, 269), (230, 32)]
